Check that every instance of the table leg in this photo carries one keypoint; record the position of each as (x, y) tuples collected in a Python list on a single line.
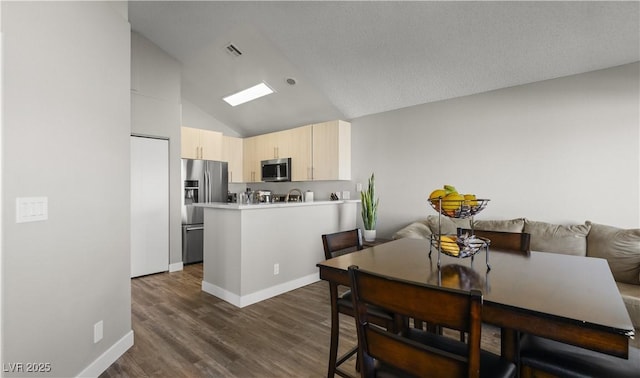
[(509, 340)]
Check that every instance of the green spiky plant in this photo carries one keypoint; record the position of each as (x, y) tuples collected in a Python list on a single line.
[(370, 205)]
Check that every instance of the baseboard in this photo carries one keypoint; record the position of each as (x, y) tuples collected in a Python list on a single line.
[(249, 299), (175, 267), (110, 356)]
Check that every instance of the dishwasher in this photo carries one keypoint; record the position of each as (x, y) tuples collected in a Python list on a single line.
[(192, 243)]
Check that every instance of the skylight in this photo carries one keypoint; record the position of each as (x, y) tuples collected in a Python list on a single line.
[(248, 94)]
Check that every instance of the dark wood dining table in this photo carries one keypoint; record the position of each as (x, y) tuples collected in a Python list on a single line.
[(571, 299)]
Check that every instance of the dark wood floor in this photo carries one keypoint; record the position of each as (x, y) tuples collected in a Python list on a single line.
[(180, 331)]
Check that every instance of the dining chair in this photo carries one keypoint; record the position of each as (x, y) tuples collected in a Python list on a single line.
[(507, 241), (416, 352), (337, 244), (540, 357)]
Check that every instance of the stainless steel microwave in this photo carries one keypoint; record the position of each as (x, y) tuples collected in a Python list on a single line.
[(276, 170)]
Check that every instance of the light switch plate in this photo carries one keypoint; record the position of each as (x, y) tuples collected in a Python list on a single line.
[(31, 209)]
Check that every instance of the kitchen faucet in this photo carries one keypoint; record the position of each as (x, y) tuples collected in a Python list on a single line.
[(286, 198)]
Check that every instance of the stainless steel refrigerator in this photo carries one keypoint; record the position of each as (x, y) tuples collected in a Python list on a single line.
[(202, 181)]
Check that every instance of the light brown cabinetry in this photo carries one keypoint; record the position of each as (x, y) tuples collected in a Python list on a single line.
[(332, 151), (232, 152), (251, 159), (201, 144), (274, 145), (318, 152), (301, 153)]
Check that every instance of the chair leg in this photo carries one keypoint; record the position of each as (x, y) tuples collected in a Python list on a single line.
[(335, 332)]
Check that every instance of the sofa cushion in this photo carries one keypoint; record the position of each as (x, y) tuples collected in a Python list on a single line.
[(566, 239), (621, 249), (507, 225), (448, 226), (416, 230), (423, 229), (631, 297)]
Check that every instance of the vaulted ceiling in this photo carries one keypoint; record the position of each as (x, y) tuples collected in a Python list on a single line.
[(351, 59)]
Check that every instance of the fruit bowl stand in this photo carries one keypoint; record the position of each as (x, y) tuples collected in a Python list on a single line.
[(461, 245)]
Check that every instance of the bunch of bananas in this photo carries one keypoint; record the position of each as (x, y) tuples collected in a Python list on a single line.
[(448, 243), (451, 199)]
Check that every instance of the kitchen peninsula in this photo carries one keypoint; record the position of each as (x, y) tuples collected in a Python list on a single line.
[(257, 251)]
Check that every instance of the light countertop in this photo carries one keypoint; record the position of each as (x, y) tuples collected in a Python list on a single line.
[(237, 206)]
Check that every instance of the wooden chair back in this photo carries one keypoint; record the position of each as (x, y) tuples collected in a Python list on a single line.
[(456, 309), (336, 244), (343, 242), (509, 241)]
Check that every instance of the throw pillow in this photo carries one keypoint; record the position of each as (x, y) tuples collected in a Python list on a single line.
[(448, 226), (566, 239), (416, 230), (510, 225), (621, 249)]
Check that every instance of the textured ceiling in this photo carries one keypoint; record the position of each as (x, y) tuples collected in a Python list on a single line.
[(357, 58)]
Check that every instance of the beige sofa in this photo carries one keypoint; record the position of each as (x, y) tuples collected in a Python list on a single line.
[(620, 247)]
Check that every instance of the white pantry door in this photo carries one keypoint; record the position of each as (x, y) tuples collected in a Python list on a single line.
[(149, 206)]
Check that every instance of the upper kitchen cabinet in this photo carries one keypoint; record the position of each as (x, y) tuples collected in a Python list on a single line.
[(332, 151), (201, 144), (251, 159), (232, 152), (318, 152), (264, 147), (274, 145), (301, 153)]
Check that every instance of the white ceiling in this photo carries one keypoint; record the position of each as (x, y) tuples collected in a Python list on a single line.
[(352, 59)]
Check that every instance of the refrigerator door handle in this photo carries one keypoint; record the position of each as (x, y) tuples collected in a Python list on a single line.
[(206, 183), (207, 179), (197, 228)]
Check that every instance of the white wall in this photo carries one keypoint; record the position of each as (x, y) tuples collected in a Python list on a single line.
[(563, 150), (66, 126), (155, 111), (193, 116)]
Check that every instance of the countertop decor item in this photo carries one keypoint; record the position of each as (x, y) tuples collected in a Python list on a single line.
[(370, 209)]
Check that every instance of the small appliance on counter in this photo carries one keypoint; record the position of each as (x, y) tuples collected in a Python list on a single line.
[(262, 196)]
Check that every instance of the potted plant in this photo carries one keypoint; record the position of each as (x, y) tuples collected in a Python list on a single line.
[(369, 210)]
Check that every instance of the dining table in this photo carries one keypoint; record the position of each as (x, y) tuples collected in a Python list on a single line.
[(570, 299)]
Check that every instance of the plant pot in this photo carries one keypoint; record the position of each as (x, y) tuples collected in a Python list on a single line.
[(369, 235)]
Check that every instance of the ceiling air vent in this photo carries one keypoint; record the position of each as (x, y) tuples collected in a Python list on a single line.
[(231, 49)]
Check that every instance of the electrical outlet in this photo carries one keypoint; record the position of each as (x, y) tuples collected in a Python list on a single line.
[(97, 331), (276, 269), (358, 187)]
